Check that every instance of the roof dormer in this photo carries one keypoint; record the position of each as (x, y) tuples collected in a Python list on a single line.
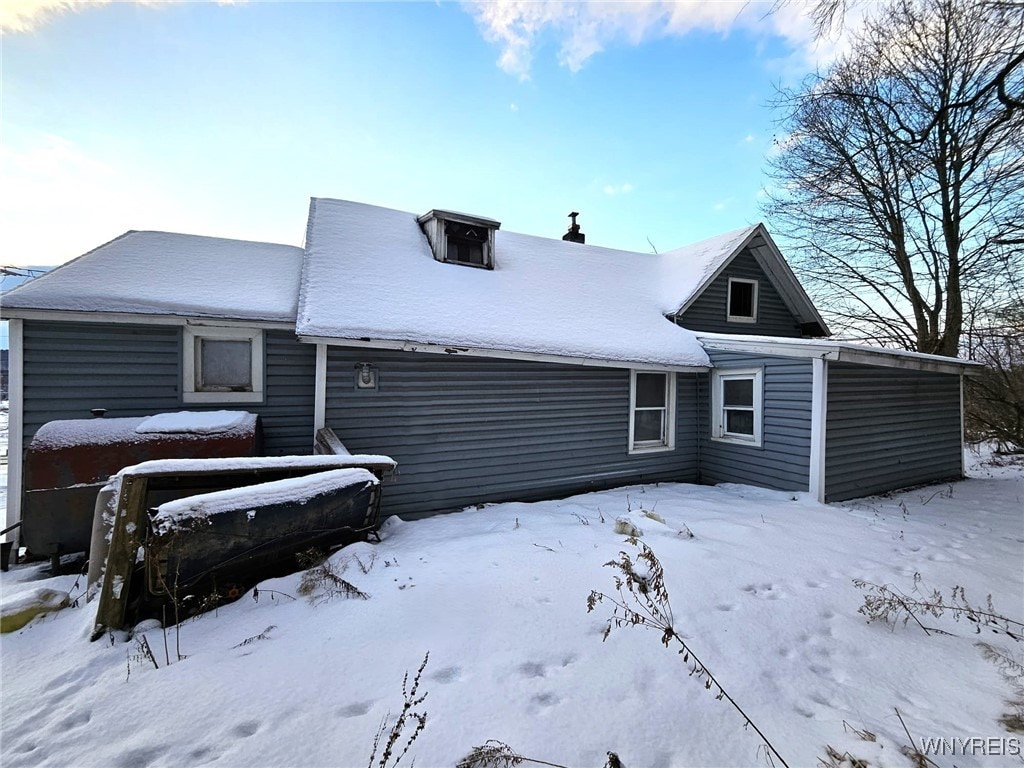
[(459, 238)]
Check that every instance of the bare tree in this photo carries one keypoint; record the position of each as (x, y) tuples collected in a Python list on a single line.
[(994, 398), (900, 175)]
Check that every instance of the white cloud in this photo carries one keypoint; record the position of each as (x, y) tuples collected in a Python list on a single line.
[(27, 15), (620, 189), (583, 28), (57, 201), (514, 107), (748, 139)]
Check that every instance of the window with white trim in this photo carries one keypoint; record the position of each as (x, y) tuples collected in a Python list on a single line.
[(741, 303), (222, 365), (737, 399), (652, 406)]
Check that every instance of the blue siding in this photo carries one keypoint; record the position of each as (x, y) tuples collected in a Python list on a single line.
[(468, 430), (708, 312), (783, 460), (888, 428), (135, 370)]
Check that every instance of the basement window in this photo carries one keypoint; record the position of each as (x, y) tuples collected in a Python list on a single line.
[(652, 406), (222, 365), (737, 400), (742, 301)]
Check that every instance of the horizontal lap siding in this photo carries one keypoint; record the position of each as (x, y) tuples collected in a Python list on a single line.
[(287, 413), (889, 428), (135, 370), (783, 461), (708, 312), (468, 430)]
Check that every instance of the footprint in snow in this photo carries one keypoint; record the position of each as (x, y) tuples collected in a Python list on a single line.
[(532, 669), (356, 709), (447, 675), (246, 729)]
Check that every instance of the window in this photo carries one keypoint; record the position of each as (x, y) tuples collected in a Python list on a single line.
[(742, 301), (459, 238), (223, 365), (652, 411), (736, 406), (467, 244)]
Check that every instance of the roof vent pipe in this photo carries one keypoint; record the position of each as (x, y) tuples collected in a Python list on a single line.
[(574, 235)]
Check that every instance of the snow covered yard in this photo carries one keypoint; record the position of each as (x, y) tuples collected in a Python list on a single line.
[(497, 595)]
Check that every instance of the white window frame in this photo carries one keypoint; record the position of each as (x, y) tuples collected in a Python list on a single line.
[(731, 318), (193, 335), (718, 420), (669, 442)]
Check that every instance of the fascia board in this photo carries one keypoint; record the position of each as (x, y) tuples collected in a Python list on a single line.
[(442, 349)]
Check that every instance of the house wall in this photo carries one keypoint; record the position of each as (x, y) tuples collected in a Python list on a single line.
[(135, 370), (888, 428), (708, 312), (466, 430), (783, 460)]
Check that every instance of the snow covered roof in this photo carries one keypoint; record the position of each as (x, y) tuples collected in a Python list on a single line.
[(839, 351), (369, 276), (162, 273)]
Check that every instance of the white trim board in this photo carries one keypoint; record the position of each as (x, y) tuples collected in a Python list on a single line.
[(441, 349), (128, 318), (16, 426), (320, 390), (819, 415)]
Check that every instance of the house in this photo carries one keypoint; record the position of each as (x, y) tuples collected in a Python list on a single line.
[(491, 365)]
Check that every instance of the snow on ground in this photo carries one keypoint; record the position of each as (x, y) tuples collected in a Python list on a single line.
[(497, 595)]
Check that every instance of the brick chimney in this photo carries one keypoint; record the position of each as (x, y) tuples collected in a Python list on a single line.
[(574, 235)]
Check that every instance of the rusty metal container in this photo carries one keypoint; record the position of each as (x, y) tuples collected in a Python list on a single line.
[(68, 461)]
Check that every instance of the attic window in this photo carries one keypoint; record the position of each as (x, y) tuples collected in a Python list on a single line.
[(466, 244), (742, 301), (459, 238)]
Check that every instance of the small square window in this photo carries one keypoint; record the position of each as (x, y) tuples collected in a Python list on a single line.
[(222, 365), (652, 411), (736, 406), (742, 301)]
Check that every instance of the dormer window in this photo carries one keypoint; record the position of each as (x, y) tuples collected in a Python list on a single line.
[(459, 238), (467, 244)]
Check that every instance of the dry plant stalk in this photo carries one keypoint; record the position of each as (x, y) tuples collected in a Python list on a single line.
[(408, 715), (321, 581), (644, 581), (498, 754), (888, 604)]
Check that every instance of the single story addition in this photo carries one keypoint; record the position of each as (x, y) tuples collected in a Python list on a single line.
[(490, 365)]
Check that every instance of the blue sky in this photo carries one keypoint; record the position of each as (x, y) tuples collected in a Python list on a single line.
[(651, 119)]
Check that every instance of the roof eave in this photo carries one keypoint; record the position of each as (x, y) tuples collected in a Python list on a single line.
[(143, 318), (506, 354), (839, 352)]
